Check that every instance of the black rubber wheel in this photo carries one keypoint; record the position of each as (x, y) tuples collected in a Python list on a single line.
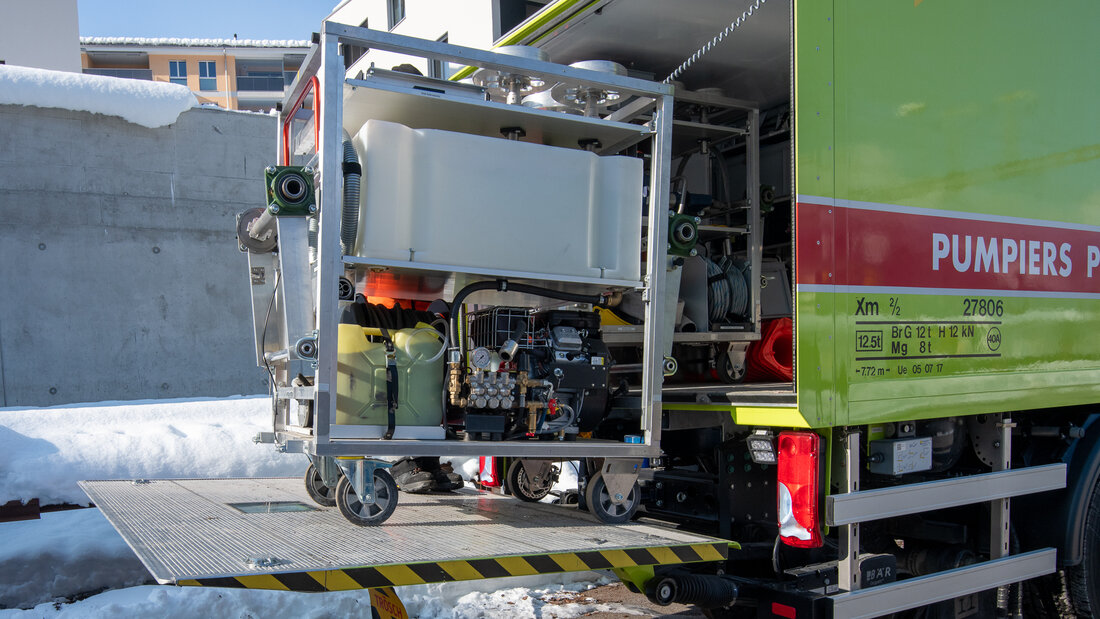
[(599, 502), (1083, 580), (525, 488), (385, 500), (661, 591), (317, 490), (727, 372)]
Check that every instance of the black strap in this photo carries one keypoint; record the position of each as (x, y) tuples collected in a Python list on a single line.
[(726, 267), (391, 385)]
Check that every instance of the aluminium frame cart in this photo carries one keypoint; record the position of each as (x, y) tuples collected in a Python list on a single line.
[(296, 311)]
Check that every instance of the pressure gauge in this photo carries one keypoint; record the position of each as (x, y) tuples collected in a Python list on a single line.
[(480, 358)]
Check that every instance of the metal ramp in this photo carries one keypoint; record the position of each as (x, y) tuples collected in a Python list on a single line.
[(232, 533)]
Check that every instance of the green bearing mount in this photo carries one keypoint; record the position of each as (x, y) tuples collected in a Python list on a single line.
[(290, 190)]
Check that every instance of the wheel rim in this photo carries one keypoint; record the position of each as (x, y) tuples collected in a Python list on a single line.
[(317, 484), (365, 511), (732, 372), (609, 507), (529, 489)]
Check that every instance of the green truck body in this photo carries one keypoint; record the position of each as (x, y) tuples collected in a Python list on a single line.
[(948, 216)]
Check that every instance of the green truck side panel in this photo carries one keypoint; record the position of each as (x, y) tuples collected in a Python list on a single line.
[(1042, 363), (979, 107), (984, 106), (814, 125)]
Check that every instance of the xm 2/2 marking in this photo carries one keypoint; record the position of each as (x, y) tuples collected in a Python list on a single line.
[(864, 307)]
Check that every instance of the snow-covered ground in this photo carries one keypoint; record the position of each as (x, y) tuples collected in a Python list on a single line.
[(47, 450), (46, 563), (520, 597)]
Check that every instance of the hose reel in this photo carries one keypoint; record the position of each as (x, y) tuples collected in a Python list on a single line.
[(728, 288)]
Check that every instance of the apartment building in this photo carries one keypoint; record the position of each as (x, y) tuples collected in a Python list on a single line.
[(40, 34), (471, 23), (236, 74)]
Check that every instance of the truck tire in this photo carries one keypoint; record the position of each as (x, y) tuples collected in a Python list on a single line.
[(1083, 580)]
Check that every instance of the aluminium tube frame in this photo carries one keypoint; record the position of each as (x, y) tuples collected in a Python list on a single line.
[(325, 62)]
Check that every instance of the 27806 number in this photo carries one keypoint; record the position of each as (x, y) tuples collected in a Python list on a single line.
[(983, 307)]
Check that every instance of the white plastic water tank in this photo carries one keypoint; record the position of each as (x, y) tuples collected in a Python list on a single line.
[(447, 198)]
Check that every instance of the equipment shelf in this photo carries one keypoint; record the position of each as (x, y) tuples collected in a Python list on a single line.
[(420, 107), (460, 273)]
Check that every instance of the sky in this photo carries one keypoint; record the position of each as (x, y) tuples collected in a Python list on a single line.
[(248, 19)]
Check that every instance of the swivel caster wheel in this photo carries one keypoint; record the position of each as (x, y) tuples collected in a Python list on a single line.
[(526, 489), (368, 514), (600, 503), (729, 372), (317, 490)]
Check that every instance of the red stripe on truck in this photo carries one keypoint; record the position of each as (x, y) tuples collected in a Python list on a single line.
[(843, 246)]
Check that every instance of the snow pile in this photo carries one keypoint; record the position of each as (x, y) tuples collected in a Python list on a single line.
[(63, 554), (185, 42), (528, 597), (149, 104), (523, 596), (47, 450)]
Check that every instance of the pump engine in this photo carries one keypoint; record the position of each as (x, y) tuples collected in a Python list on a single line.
[(541, 373)]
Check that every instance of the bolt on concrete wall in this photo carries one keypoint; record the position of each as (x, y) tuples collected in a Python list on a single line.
[(120, 276)]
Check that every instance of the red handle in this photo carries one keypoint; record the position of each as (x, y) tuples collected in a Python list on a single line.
[(314, 86)]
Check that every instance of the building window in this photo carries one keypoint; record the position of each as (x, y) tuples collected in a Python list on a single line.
[(353, 52), (396, 11), (177, 72), (438, 68), (507, 14), (291, 64), (208, 77)]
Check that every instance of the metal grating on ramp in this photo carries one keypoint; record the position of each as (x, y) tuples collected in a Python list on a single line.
[(185, 532)]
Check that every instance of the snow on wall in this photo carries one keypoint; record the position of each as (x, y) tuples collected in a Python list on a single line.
[(47, 450), (149, 104), (185, 42)]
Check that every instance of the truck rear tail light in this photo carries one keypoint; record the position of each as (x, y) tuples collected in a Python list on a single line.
[(799, 486)]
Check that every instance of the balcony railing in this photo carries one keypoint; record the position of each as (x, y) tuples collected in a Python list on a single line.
[(249, 83), (131, 74)]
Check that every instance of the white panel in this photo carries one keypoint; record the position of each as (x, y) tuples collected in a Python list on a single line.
[(449, 198)]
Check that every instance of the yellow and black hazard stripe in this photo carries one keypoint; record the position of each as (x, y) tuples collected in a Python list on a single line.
[(468, 569)]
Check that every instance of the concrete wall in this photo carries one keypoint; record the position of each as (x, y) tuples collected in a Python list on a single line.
[(120, 276), (40, 33)]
